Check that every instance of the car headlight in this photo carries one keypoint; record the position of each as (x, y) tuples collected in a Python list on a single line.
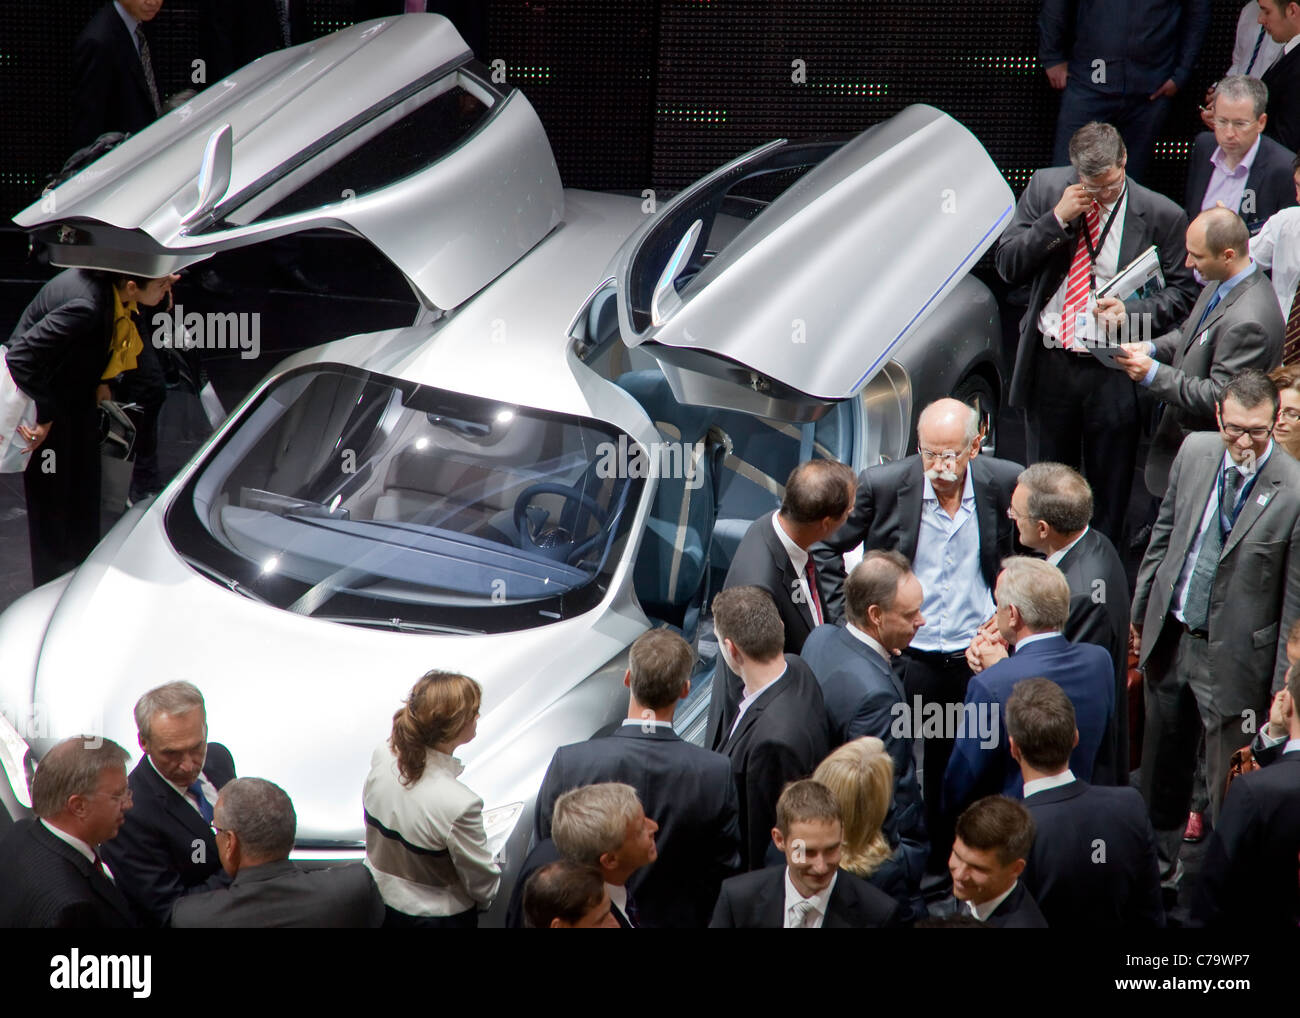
[(16, 758)]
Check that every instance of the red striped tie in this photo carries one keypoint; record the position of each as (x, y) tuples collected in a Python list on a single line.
[(1291, 345), (1076, 282)]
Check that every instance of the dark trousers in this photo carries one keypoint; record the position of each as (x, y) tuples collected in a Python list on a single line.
[(1137, 118), (936, 678), (1084, 414), (61, 484), (147, 386), (400, 920)]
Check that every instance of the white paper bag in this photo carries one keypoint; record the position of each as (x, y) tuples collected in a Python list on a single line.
[(16, 408)]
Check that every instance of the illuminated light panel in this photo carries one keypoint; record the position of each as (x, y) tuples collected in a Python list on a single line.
[(690, 115), (871, 90), (1010, 64), (529, 73)]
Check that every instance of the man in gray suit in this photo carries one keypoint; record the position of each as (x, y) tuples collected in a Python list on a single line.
[(256, 825), (1235, 325), (1217, 592)]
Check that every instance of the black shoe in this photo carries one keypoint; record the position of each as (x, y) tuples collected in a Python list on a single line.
[(299, 280), (209, 282)]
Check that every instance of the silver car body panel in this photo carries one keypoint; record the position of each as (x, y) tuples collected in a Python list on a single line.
[(451, 227)]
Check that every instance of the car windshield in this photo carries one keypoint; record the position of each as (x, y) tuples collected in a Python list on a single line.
[(359, 498)]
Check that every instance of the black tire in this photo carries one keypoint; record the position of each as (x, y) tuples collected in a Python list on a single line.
[(975, 391)]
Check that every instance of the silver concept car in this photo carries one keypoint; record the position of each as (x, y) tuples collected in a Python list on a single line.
[(564, 449)]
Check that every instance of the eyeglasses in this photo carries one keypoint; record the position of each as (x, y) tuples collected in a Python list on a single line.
[(932, 456), (1289, 415), (1234, 432), (116, 796), (1015, 516), (1236, 125), (1100, 189)]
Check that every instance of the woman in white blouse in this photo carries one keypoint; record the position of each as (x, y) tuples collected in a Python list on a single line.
[(425, 842)]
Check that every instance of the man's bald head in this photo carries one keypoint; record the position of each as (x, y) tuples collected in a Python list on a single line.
[(1224, 231), (949, 419)]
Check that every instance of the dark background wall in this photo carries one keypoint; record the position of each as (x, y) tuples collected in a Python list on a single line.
[(652, 93)]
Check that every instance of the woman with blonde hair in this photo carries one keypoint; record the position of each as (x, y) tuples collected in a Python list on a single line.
[(425, 842), (1287, 431), (860, 774)]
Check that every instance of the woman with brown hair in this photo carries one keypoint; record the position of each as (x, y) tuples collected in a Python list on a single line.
[(425, 842), (1287, 432), (860, 774)]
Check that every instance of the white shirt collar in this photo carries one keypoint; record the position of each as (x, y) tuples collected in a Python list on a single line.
[(1052, 781), (618, 897), (982, 912), (748, 698), (70, 839), (1292, 746), (1024, 642), (1230, 463), (646, 723), (1291, 44), (184, 793), (798, 557), (1218, 157), (820, 902), (868, 639), (1054, 559)]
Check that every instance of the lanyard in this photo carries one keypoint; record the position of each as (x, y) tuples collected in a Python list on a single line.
[(1095, 253), (1228, 520)]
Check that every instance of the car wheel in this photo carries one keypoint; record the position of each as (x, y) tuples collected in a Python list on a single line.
[(976, 391)]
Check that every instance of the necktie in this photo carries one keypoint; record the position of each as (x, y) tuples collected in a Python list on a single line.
[(103, 870), (632, 912), (1078, 279), (1291, 346), (1196, 606), (205, 807), (1259, 41), (282, 11), (815, 604), (1214, 303), (147, 64), (801, 913)]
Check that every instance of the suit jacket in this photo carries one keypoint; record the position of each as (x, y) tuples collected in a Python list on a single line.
[(1034, 250), (1084, 672), (887, 514), (1093, 864), (48, 883), (109, 88), (781, 738), (1248, 879), (1283, 81), (1017, 911), (1244, 330), (760, 561), (1269, 185), (861, 693), (1099, 611), (281, 894), (756, 901), (686, 790), (165, 849), (1255, 598)]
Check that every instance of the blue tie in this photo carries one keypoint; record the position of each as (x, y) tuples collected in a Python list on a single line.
[(205, 807), (1258, 43), (1214, 303)]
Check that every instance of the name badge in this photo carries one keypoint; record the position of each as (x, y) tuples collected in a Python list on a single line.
[(1205, 337), (1262, 500)]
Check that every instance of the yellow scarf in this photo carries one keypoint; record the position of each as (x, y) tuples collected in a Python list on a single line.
[(125, 344)]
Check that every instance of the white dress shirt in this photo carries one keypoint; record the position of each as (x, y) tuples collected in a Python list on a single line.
[(1248, 31), (1054, 559), (868, 639), (1277, 247), (618, 898), (1051, 781), (819, 902), (798, 559), (982, 912), (749, 698), (646, 723), (1049, 319)]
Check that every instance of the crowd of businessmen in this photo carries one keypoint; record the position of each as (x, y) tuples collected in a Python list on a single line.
[(944, 734)]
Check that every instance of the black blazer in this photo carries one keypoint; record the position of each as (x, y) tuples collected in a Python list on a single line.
[(164, 848), (1093, 864), (1249, 877), (280, 894), (1034, 250), (1017, 911), (760, 561), (48, 883), (781, 738), (1283, 81), (686, 790), (756, 901), (1269, 181), (109, 89), (887, 514), (1099, 610)]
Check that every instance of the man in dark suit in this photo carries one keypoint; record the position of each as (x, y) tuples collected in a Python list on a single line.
[(774, 555), (1236, 165), (990, 850), (1093, 864), (882, 602), (686, 790), (809, 891), (166, 848), (53, 874), (1052, 505), (256, 824), (1217, 591), (113, 82), (779, 734), (1033, 604), (1075, 228), (946, 510), (1281, 19), (564, 895), (1248, 878), (1235, 325)]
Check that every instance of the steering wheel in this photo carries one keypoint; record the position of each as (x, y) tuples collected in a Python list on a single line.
[(554, 538)]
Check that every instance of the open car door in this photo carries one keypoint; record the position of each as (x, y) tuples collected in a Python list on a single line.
[(782, 282), (387, 130)]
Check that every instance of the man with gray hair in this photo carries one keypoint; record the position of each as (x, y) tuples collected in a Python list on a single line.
[(1033, 605), (255, 826), (1075, 228), (53, 875), (1237, 166), (167, 848)]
